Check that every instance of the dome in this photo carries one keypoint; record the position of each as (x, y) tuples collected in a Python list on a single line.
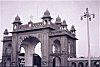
[(58, 19), (64, 23), (47, 13), (6, 32), (17, 18), (73, 28)]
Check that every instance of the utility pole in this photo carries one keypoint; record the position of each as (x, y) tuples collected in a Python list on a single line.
[(88, 17)]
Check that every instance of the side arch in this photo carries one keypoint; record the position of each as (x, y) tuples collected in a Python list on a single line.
[(57, 45), (56, 62)]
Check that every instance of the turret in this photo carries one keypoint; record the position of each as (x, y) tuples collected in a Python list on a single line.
[(63, 25), (72, 29), (46, 17), (6, 32), (30, 23), (58, 21), (16, 22)]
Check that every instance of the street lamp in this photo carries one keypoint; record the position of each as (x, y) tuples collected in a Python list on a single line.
[(88, 17)]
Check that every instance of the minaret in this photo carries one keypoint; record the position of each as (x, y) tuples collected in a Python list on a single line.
[(16, 23), (46, 17)]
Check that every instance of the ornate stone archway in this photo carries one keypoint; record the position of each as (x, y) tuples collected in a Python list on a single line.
[(24, 40), (46, 32)]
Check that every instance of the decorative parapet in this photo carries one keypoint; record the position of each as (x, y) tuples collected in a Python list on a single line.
[(76, 59), (61, 33), (7, 38), (40, 25), (34, 26), (30, 26)]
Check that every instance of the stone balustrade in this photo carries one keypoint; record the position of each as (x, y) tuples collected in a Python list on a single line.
[(30, 25), (62, 32), (38, 25)]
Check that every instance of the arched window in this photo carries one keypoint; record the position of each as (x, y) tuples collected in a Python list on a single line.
[(56, 62), (80, 64), (8, 49), (8, 62), (57, 46), (86, 64), (15, 27), (73, 64)]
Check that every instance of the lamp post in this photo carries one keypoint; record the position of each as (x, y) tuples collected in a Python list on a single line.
[(88, 17)]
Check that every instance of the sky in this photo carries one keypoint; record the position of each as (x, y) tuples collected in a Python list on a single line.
[(71, 11)]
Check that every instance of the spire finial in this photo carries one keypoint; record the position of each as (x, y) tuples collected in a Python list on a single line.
[(31, 18), (17, 17)]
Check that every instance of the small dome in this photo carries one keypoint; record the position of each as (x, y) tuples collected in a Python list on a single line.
[(64, 23), (58, 19), (6, 32), (17, 18), (73, 28), (47, 13)]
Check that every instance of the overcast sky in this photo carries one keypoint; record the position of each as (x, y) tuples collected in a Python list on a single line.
[(68, 10)]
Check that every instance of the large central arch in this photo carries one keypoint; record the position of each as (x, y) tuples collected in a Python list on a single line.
[(29, 44)]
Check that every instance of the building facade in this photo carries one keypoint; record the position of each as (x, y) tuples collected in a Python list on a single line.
[(49, 34)]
